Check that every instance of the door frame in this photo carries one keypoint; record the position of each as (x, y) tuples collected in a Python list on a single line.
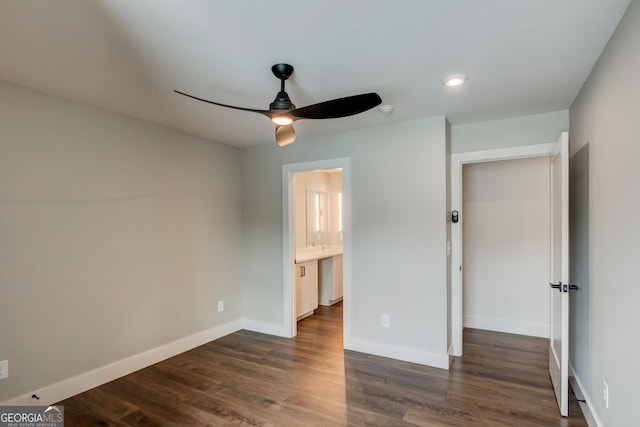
[(289, 244), (458, 160)]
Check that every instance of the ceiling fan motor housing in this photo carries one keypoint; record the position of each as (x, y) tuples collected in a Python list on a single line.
[(282, 103)]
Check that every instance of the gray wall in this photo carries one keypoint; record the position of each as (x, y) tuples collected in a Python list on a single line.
[(398, 230), (135, 231), (510, 132), (579, 321), (605, 115), (120, 236), (116, 236)]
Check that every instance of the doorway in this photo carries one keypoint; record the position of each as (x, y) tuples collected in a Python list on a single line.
[(312, 237), (506, 235), (457, 163)]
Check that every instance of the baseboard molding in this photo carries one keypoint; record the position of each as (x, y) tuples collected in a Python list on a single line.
[(590, 414), (363, 346), (268, 328), (407, 354), (507, 326), (70, 387), (450, 351)]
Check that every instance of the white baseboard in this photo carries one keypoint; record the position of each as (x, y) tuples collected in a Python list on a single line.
[(590, 414), (407, 354), (268, 328), (507, 326), (64, 389), (69, 387), (451, 354)]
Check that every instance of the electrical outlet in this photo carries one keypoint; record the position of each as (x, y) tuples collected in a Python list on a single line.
[(605, 394), (386, 321), (220, 306), (4, 369)]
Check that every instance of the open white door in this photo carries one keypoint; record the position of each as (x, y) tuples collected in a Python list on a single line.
[(559, 282)]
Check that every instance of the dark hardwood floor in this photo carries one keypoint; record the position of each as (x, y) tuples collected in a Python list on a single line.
[(252, 379)]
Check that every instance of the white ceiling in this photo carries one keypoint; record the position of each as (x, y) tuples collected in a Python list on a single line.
[(522, 57)]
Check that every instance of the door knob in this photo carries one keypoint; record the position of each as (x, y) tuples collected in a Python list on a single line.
[(564, 288), (556, 286)]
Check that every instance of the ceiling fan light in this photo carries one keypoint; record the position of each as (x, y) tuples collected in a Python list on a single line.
[(282, 120)]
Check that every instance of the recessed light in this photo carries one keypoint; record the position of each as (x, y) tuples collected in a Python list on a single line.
[(455, 80)]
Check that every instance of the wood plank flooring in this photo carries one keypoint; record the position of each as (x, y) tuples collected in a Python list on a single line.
[(250, 379)]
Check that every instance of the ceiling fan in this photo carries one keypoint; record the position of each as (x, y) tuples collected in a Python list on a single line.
[(283, 113)]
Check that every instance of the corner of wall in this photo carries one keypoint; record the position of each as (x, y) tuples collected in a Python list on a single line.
[(66, 388)]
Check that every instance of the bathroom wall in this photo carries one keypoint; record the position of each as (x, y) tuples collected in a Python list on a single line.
[(316, 181), (335, 190), (329, 182)]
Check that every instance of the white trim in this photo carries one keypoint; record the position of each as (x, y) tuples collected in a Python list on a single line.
[(509, 326), (559, 357), (407, 354), (268, 328), (64, 389), (457, 161), (588, 409), (510, 153), (289, 244), (288, 255)]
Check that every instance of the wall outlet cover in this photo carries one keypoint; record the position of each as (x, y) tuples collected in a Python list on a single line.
[(386, 321), (4, 369)]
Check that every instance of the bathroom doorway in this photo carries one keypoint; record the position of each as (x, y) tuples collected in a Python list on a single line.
[(316, 239)]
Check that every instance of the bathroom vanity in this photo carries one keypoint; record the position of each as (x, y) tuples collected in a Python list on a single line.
[(306, 288), (318, 279), (330, 280)]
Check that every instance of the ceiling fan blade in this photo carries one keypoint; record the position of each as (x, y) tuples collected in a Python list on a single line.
[(341, 107), (285, 135), (264, 112)]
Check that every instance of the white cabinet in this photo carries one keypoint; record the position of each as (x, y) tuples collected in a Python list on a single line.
[(330, 278), (306, 288)]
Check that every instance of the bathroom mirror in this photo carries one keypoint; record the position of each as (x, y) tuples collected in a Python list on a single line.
[(317, 216)]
